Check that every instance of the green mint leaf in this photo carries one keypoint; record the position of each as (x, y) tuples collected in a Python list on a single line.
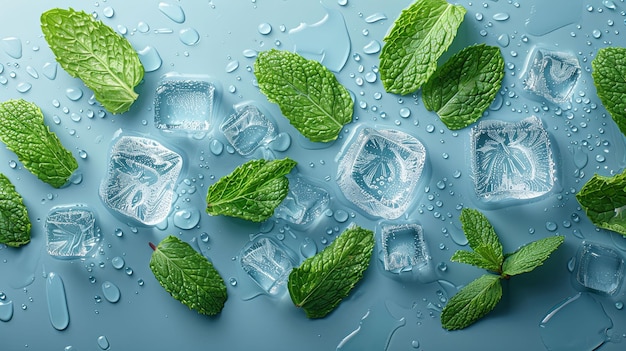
[(474, 259), (463, 88), (322, 281), (472, 302), (308, 94), (92, 51), (23, 131), (188, 276), (609, 77), (420, 35), (604, 201), (14, 222), (252, 191), (482, 239), (531, 256)]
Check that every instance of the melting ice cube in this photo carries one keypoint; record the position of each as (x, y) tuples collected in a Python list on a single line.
[(184, 103), (248, 129), (140, 179), (71, 231), (304, 203), (552, 74), (268, 263), (511, 160), (404, 248), (599, 268), (380, 170)]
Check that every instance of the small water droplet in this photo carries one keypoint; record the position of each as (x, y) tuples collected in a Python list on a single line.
[(308, 248), (186, 218), (128, 271), (23, 87), (189, 36), (172, 11), (551, 226), (233, 281), (73, 94), (111, 292), (103, 342), (375, 17), (373, 47), (108, 12), (232, 66), (143, 27), (117, 262), (265, 28), (501, 16), (340, 216)]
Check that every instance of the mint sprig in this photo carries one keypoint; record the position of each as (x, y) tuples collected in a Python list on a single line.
[(14, 222), (95, 53), (609, 77), (322, 281), (462, 89), (604, 201), (252, 191), (188, 276), (308, 94), (23, 131), (479, 297), (420, 35)]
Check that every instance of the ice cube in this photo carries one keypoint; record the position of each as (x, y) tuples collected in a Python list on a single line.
[(404, 248), (511, 160), (268, 263), (552, 74), (304, 203), (71, 231), (599, 268), (380, 170), (248, 129), (184, 104), (140, 180)]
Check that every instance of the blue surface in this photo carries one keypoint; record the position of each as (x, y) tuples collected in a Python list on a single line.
[(385, 311)]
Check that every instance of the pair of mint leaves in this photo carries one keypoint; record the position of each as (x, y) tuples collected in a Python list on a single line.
[(604, 198), (318, 285), (480, 296)]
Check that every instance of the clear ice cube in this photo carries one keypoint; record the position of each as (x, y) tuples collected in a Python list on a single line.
[(552, 74), (71, 231), (380, 170), (404, 248), (599, 268), (140, 180), (248, 129), (184, 104), (268, 263), (304, 203), (511, 160)]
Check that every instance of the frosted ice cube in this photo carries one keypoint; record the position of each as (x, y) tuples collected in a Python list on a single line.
[(599, 268), (404, 248), (380, 170), (140, 179), (268, 263), (71, 231), (552, 74), (184, 104), (304, 203), (511, 160), (248, 129)]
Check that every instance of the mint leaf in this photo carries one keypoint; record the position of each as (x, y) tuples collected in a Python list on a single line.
[(322, 281), (252, 191), (23, 131), (188, 276), (531, 256), (604, 201), (609, 77), (472, 302), (308, 94), (421, 34), (14, 221), (463, 88), (92, 51), (482, 239)]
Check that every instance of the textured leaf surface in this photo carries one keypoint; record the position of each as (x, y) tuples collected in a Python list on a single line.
[(604, 201), (188, 276), (472, 302), (14, 222), (463, 88), (23, 131), (609, 77), (482, 239), (531, 256), (308, 94), (420, 35), (322, 281), (252, 191), (92, 51)]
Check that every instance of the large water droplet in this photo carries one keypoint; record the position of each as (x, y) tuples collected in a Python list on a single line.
[(57, 302), (111, 292), (50, 70), (375, 17), (189, 36), (73, 94), (150, 59), (172, 11), (308, 248), (186, 218), (265, 28), (372, 47), (103, 342), (12, 46), (6, 310)]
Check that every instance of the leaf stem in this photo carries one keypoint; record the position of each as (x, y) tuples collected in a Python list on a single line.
[(152, 246)]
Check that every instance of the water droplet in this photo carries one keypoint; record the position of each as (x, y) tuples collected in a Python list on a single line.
[(373, 47), (143, 27), (415, 344), (172, 11), (23, 87), (103, 342), (73, 94), (282, 142), (111, 292), (503, 40), (6, 310), (150, 59), (249, 53), (232, 66), (117, 262), (596, 33), (108, 12), (375, 17), (233, 281), (340, 216), (619, 305), (12, 46), (189, 36), (501, 16), (405, 112), (308, 248), (265, 28), (186, 218), (32, 72), (128, 271), (216, 147), (551, 226), (204, 237), (57, 302)]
